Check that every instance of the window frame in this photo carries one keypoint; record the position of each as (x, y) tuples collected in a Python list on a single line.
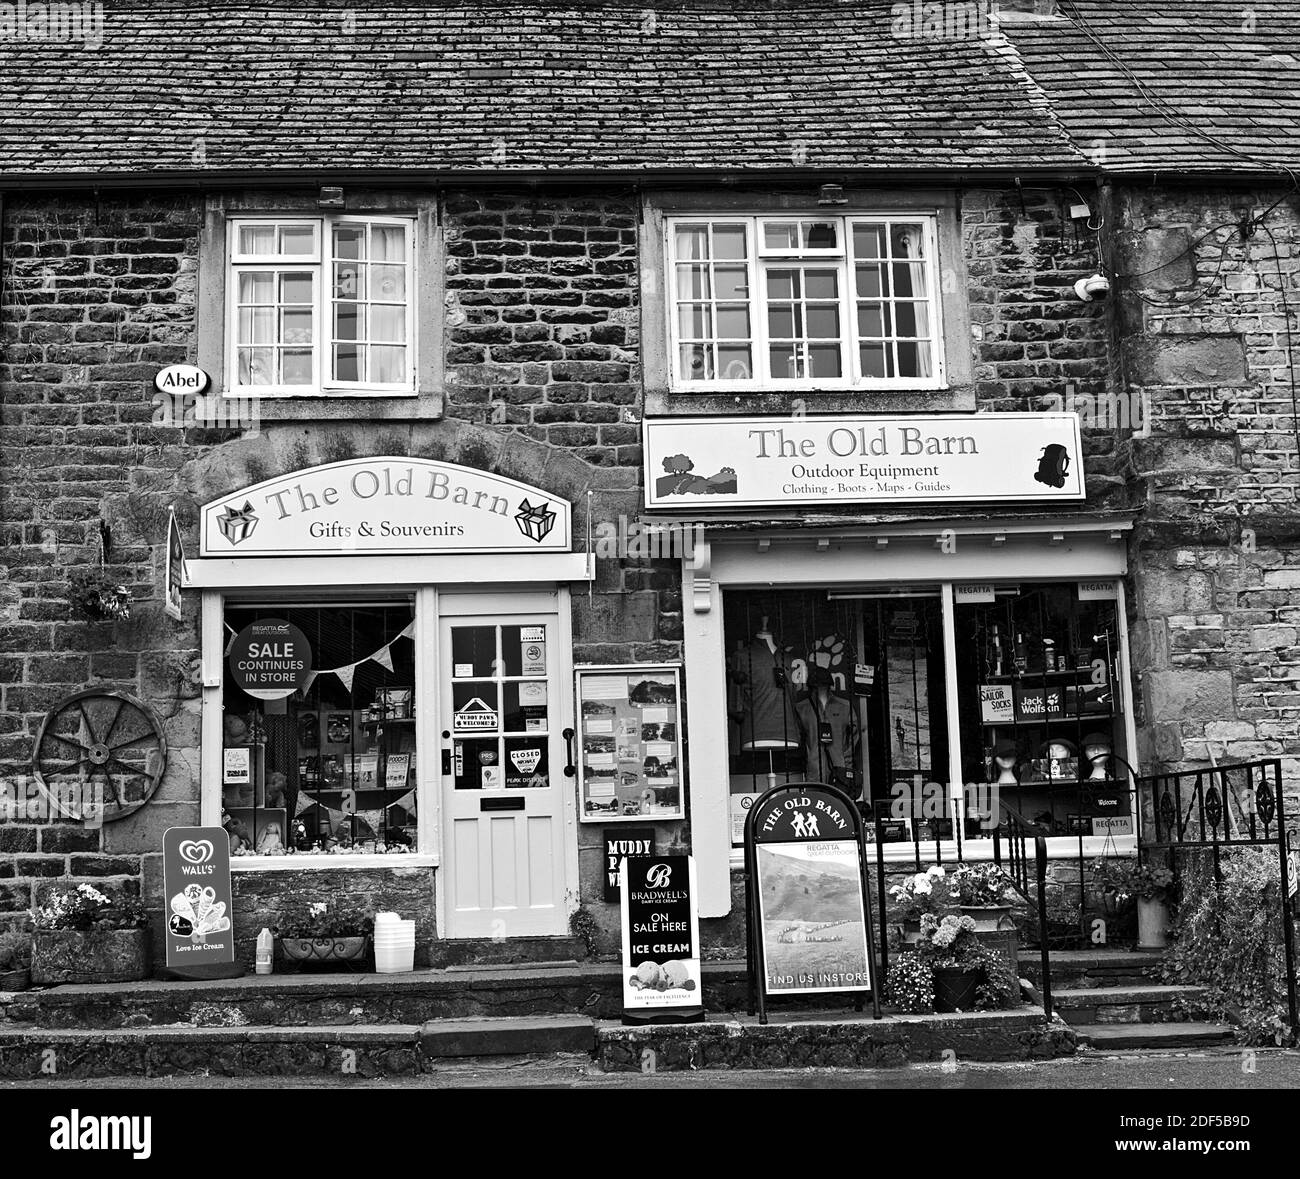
[(324, 302), (844, 261)]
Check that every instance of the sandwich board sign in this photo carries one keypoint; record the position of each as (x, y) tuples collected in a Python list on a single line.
[(200, 931), (661, 940), (809, 911)]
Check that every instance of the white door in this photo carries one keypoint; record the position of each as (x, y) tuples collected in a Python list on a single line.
[(503, 760)]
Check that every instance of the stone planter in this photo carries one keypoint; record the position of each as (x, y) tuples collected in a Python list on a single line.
[(954, 990), (15, 980), (1153, 923), (319, 950), (89, 956)]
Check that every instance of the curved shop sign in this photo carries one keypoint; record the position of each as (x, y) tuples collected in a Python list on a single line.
[(780, 462), (385, 505)]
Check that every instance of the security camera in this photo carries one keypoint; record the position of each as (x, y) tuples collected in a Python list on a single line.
[(1095, 287)]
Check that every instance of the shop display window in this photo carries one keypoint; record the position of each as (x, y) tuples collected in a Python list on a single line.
[(330, 767)]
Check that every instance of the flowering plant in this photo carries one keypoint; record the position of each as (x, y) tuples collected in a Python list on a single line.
[(98, 595), (981, 885), (926, 892), (85, 907), (952, 944), (910, 984), (1153, 883), (335, 917)]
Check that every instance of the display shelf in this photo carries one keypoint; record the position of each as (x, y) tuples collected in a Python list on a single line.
[(1039, 722), (1018, 677)]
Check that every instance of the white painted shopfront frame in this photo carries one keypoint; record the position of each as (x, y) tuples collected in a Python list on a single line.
[(1048, 550), (514, 577)]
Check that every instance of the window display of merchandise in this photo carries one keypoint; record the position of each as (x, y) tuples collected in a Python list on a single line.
[(330, 767)]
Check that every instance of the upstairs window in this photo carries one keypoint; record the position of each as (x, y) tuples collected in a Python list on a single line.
[(804, 302), (321, 304)]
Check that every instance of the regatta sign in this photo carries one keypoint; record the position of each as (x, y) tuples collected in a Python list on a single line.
[(779, 462), (385, 505)]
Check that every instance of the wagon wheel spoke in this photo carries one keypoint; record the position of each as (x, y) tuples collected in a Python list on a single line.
[(133, 741), (117, 796), (59, 767), (85, 716), (112, 725), (67, 741), (138, 771)]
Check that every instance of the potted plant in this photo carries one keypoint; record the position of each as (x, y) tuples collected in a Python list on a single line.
[(984, 894), (910, 984), (15, 960), (1154, 887), (968, 976), (925, 892), (85, 936), (333, 930), (98, 595)]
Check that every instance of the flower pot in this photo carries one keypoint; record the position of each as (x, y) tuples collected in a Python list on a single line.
[(990, 918), (911, 932), (15, 980), (316, 950), (1153, 923), (89, 956), (954, 990)]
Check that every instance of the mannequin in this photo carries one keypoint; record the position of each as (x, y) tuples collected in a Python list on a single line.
[(1004, 757), (767, 720), (1096, 754), (828, 726)]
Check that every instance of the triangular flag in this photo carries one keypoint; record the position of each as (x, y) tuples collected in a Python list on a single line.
[(384, 657), (409, 632), (305, 803), (345, 675), (406, 802), (307, 682)]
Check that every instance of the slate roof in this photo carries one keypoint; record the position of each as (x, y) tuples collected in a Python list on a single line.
[(1228, 70), (644, 86), (635, 85)]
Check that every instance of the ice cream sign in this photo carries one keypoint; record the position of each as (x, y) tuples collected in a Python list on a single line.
[(385, 505), (703, 463)]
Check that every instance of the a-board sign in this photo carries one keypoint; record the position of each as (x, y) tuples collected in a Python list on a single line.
[(661, 939), (620, 842), (197, 900), (809, 912)]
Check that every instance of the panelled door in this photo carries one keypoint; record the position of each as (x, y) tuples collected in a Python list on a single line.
[(503, 759)]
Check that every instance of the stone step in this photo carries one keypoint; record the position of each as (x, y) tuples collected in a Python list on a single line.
[(1073, 969), (1126, 1004), (792, 1039), (1124, 1036)]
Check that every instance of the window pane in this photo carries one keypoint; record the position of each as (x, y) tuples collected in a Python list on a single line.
[(785, 361), (914, 359), (784, 323), (780, 235), (874, 360), (913, 319), (825, 360), (821, 235), (733, 323), (256, 366), (388, 243), (346, 363), (782, 284), (349, 241), (388, 282), (731, 282), (256, 239), (387, 364), (821, 284), (696, 362), (909, 279), (729, 241), (348, 318), (735, 362), (256, 288), (694, 321), (388, 324), (692, 282), (349, 281), (256, 326), (297, 327), (870, 282), (473, 650), (824, 322), (871, 320), (296, 365), (869, 241), (691, 242), (295, 288), (907, 241), (297, 239)]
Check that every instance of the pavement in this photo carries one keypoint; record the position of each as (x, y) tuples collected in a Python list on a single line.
[(1261, 1070)]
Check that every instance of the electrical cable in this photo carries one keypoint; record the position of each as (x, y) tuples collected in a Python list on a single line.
[(1286, 319)]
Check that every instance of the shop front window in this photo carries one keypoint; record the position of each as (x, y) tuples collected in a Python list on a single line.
[(319, 744), (852, 687)]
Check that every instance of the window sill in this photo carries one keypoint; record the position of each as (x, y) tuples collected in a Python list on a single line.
[(1059, 847), (662, 403), (237, 410), (317, 863)]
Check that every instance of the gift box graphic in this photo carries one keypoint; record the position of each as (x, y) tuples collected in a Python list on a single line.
[(535, 520), (237, 524)]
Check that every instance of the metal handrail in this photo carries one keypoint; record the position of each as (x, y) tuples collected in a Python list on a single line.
[(1019, 829)]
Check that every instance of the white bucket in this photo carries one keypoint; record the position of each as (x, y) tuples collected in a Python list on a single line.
[(394, 944)]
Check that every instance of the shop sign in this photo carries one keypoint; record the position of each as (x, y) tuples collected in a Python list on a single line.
[(1112, 825), (661, 938), (196, 884), (174, 573), (1293, 873), (997, 706), (270, 658), (968, 594), (857, 459), (476, 716), (236, 767), (808, 898), (620, 842), (384, 505), (1097, 591), (181, 379)]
